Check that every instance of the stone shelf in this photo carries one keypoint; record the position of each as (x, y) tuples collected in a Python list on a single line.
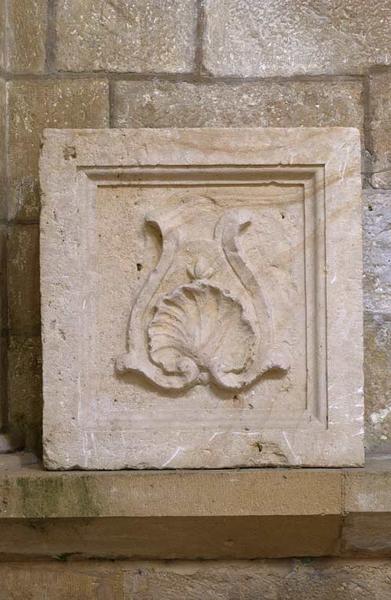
[(194, 514)]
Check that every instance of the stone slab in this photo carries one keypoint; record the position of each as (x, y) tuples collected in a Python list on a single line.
[(32, 493), (256, 38), (217, 348), (238, 514), (209, 514)]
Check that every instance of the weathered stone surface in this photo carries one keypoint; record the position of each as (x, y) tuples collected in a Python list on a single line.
[(3, 339), (290, 579), (261, 104), (171, 537), (23, 279), (4, 445), (377, 250), (61, 581), (202, 337), (34, 493), (3, 149), (2, 34), (367, 526), (25, 390), (3, 279), (257, 38), (17, 460), (377, 365), (26, 35), (377, 299), (127, 35), (38, 104), (380, 127), (188, 514)]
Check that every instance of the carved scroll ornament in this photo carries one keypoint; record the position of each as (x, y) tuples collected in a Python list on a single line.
[(214, 325)]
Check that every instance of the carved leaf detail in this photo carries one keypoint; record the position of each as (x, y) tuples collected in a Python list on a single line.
[(202, 323)]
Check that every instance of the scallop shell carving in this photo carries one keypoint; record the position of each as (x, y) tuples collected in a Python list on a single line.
[(201, 326)]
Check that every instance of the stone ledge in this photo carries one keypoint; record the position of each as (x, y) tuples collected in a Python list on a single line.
[(195, 514)]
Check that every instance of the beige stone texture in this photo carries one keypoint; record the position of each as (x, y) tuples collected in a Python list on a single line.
[(377, 365), (256, 38), (3, 149), (377, 324), (377, 250), (262, 394), (60, 581), (171, 537), (127, 35), (37, 104), (367, 527), (3, 279), (242, 514), (34, 493), (193, 514), (25, 390), (306, 579), (3, 333), (260, 104), (4, 440), (23, 279), (26, 35), (2, 35), (379, 127)]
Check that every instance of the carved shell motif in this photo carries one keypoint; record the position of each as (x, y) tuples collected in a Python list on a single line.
[(204, 325)]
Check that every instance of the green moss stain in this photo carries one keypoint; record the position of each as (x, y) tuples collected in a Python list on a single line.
[(87, 497), (60, 495)]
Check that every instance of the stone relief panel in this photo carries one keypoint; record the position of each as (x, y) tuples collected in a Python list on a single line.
[(214, 326), (205, 308)]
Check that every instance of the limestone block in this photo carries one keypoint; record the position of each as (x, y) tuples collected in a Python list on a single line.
[(306, 578), (260, 104), (5, 445), (3, 200), (26, 35), (34, 105), (2, 35), (258, 38), (377, 250), (23, 279), (184, 277), (380, 128), (377, 330), (3, 279), (60, 581), (126, 35), (3, 340)]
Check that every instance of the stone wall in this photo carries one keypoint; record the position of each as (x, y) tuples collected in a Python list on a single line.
[(171, 63), (174, 63), (303, 579), (185, 63)]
